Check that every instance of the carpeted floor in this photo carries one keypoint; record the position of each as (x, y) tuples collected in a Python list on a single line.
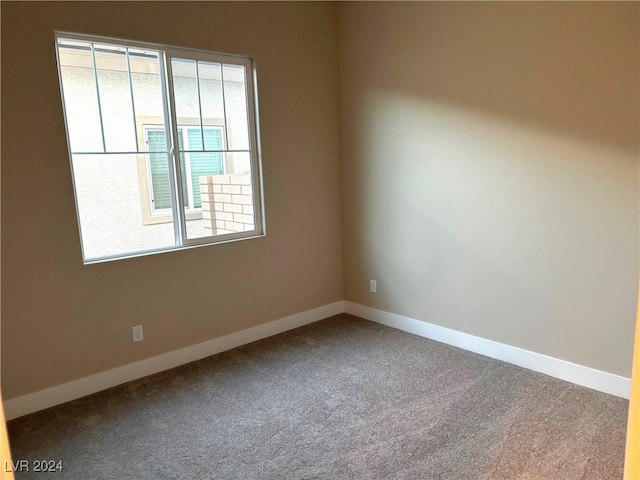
[(343, 398)]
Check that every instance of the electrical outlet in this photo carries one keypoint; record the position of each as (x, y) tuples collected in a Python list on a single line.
[(373, 286), (137, 333)]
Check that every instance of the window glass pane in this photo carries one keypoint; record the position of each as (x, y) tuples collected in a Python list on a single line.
[(115, 98), (240, 162), (235, 97), (80, 98), (211, 94), (147, 90), (109, 207), (185, 90)]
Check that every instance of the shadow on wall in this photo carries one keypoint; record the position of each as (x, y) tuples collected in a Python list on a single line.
[(570, 67)]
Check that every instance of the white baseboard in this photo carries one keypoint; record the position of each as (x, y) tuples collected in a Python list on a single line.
[(554, 367), (570, 372), (50, 397)]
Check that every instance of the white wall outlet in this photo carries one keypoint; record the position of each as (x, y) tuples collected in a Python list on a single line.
[(137, 333), (373, 286)]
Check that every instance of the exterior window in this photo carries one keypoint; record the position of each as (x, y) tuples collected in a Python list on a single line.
[(163, 146)]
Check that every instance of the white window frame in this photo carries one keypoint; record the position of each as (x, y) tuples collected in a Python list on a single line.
[(166, 53)]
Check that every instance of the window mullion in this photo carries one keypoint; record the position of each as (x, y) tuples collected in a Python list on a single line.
[(95, 74), (224, 107), (199, 103), (133, 103), (187, 168), (175, 175)]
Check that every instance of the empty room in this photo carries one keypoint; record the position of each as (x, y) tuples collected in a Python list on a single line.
[(293, 240)]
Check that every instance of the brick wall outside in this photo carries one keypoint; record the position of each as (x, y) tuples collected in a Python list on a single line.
[(227, 203)]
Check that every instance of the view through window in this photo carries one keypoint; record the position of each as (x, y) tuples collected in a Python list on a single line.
[(163, 146)]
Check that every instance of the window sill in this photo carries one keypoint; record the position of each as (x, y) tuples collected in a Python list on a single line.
[(176, 248)]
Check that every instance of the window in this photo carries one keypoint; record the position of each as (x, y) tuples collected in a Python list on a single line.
[(162, 144)]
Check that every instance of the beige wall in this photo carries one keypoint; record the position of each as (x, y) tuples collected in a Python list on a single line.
[(62, 320), (490, 170)]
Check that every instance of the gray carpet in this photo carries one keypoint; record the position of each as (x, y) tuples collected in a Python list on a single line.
[(343, 398)]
